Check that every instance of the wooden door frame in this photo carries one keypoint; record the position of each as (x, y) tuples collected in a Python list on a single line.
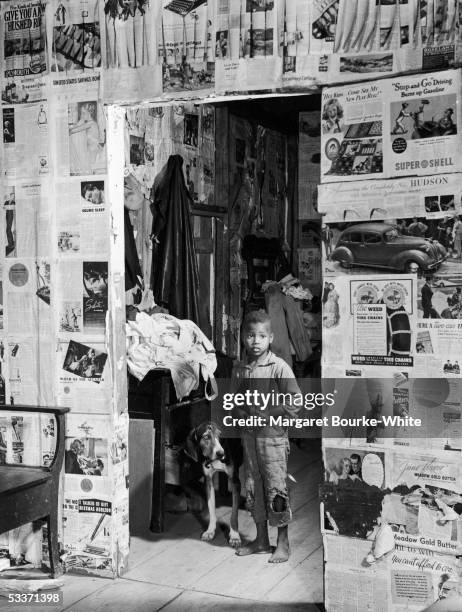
[(219, 213)]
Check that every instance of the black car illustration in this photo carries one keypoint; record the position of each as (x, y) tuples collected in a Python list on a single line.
[(380, 245)]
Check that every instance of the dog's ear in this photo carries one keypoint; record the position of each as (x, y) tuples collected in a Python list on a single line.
[(216, 430), (190, 447)]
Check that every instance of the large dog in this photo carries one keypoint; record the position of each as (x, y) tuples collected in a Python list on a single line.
[(205, 447)]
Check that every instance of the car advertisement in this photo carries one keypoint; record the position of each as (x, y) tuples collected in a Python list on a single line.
[(397, 245), (394, 232), (405, 126)]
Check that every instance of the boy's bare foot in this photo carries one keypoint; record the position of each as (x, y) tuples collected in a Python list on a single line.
[(259, 546), (254, 548), (282, 552)]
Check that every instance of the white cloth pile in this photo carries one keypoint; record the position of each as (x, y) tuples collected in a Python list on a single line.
[(163, 341)]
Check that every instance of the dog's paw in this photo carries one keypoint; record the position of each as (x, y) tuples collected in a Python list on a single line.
[(208, 535), (234, 539)]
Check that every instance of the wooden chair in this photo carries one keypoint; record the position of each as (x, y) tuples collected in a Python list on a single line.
[(29, 493)]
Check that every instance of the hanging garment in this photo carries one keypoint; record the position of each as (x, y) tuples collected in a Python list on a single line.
[(133, 274), (162, 341), (287, 325), (174, 275)]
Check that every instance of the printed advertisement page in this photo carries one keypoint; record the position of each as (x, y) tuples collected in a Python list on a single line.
[(187, 45), (422, 119), (307, 35), (351, 132), (82, 365), (27, 290), (82, 300), (424, 238), (87, 510), (27, 218), (418, 115), (20, 438), (420, 577), (23, 51), (74, 36), (355, 589), (83, 225), (372, 320), (87, 450), (25, 141), (402, 578), (249, 61), (88, 527), (129, 50), (432, 196), (427, 470), (80, 134), (436, 402)]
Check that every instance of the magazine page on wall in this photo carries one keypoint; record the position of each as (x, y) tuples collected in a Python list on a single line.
[(375, 39), (420, 234), (87, 507), (405, 578), (81, 138), (307, 31), (129, 50), (351, 132), (23, 55), (74, 43), (391, 128), (26, 143), (252, 58), (369, 325), (343, 40), (423, 414), (422, 119), (186, 46)]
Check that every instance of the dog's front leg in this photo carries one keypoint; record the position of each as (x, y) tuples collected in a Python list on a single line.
[(208, 535), (234, 537)]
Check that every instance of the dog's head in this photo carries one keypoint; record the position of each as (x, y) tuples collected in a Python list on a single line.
[(203, 443)]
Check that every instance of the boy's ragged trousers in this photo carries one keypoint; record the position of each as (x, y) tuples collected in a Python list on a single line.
[(265, 466)]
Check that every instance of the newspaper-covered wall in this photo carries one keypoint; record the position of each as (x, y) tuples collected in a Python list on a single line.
[(392, 273), (148, 50), (153, 133), (308, 240), (61, 278), (391, 499)]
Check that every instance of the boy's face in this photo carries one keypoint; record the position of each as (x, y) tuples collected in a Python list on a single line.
[(257, 339)]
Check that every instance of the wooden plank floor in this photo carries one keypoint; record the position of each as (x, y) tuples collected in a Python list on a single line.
[(176, 571)]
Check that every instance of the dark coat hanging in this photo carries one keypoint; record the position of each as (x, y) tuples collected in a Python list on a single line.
[(133, 274), (174, 272)]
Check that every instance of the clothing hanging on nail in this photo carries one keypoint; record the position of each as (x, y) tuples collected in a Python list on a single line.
[(174, 274)]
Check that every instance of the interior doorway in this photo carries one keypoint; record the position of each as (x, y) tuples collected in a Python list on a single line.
[(260, 192)]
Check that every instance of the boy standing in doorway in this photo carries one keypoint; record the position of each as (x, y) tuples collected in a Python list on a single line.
[(266, 449)]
